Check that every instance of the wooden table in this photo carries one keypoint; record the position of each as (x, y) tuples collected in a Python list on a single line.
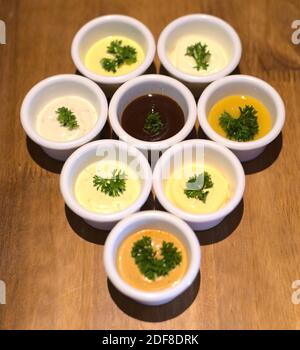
[(51, 261)]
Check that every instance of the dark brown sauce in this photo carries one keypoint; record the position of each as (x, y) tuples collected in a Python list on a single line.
[(134, 115)]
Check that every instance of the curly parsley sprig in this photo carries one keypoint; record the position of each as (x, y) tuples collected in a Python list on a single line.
[(243, 128), (113, 186), (67, 118), (122, 54), (153, 123), (151, 266), (200, 53), (196, 186)]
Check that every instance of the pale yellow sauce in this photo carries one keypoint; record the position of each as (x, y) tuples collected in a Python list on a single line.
[(96, 201), (218, 59), (50, 128), (130, 272), (217, 197), (99, 51), (231, 105)]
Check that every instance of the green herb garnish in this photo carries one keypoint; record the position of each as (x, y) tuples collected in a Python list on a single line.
[(200, 54), (243, 128), (114, 186), (196, 186), (121, 55), (153, 123), (147, 262), (67, 118)]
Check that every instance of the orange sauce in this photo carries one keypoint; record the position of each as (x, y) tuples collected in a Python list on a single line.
[(130, 272), (231, 105)]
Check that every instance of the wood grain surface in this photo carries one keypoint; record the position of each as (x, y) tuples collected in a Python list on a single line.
[(51, 261)]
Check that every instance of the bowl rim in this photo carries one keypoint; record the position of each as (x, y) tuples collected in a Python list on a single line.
[(199, 218), (161, 48), (72, 203), (235, 145), (155, 145), (158, 296), (105, 80), (44, 84)]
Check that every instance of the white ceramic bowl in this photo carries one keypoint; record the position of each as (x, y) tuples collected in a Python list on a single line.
[(102, 27), (96, 151), (54, 87), (155, 84), (207, 152), (152, 220), (242, 85), (205, 24)]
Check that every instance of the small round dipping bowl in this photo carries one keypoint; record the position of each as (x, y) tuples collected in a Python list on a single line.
[(152, 220), (199, 23), (97, 151), (207, 152), (242, 85), (152, 84), (110, 25), (54, 87)]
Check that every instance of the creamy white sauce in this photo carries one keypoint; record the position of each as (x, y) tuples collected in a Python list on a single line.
[(50, 128), (217, 197), (96, 201), (219, 57)]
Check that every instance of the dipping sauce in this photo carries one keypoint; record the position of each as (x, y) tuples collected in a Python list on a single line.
[(98, 51), (231, 105), (50, 128), (218, 59), (135, 114), (216, 198), (129, 270), (97, 201)]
